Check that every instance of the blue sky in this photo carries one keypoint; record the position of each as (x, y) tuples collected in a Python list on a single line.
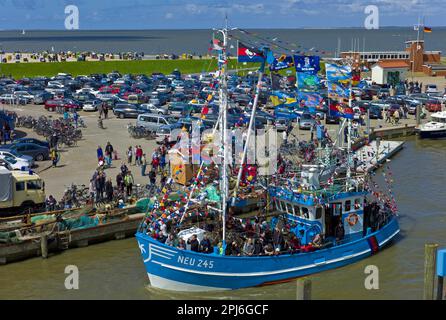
[(196, 14)]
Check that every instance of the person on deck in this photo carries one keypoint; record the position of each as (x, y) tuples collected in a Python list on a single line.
[(339, 231), (248, 247), (109, 190), (205, 245), (128, 181), (194, 243)]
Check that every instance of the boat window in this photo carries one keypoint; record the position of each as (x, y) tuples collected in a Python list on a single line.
[(296, 211), (347, 206), (318, 213), (337, 209), (358, 203), (305, 213), (20, 186), (282, 206), (289, 208)]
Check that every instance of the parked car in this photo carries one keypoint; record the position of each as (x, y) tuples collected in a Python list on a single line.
[(150, 108), (38, 153), (127, 111), (152, 122), (180, 109), (171, 131), (332, 119), (16, 164), (431, 88), (42, 97), (91, 105), (52, 105), (32, 140), (15, 155), (433, 105), (306, 121), (282, 124)]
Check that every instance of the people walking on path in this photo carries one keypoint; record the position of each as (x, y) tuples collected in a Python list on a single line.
[(54, 157), (100, 154), (143, 164), (129, 181), (108, 154), (129, 155)]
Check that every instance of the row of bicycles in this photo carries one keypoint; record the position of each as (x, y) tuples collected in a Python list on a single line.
[(77, 196), (65, 130), (140, 132)]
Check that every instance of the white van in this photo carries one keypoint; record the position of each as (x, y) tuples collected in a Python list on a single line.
[(152, 121)]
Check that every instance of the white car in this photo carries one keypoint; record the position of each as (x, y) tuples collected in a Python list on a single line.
[(17, 164), (431, 88), (24, 94), (92, 105), (162, 88), (14, 155)]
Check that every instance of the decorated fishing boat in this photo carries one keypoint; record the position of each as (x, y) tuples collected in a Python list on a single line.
[(321, 219)]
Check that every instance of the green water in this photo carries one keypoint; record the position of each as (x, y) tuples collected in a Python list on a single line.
[(114, 270)]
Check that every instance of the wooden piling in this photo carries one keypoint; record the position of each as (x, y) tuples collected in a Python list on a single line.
[(44, 245), (430, 253), (303, 289), (418, 115)]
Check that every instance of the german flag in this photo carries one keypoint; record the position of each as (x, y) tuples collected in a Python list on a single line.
[(427, 30)]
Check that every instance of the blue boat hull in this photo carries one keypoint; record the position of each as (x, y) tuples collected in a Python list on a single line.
[(172, 269)]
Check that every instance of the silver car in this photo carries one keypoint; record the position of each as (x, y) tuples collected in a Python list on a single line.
[(151, 108), (152, 122)]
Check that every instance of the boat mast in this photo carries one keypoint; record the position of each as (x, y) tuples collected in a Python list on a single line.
[(224, 186), (349, 130)]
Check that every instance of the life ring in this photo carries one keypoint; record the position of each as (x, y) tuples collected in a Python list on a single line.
[(352, 219)]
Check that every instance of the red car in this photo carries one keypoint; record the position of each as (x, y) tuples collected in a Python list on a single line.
[(51, 105), (433, 105)]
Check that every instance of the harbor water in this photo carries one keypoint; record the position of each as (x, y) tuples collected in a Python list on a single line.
[(114, 270)]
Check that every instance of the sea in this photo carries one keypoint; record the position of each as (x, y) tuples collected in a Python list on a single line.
[(325, 42)]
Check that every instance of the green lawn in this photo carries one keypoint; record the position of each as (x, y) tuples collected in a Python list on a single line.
[(20, 70)]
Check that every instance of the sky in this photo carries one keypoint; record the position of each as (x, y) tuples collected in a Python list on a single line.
[(205, 14)]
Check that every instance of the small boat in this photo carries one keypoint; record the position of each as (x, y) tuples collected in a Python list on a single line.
[(436, 128)]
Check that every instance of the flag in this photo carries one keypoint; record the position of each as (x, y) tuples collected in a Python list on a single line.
[(308, 64), (337, 90), (217, 44), (310, 100), (283, 62), (338, 110), (337, 73), (427, 30), (246, 54), (308, 82)]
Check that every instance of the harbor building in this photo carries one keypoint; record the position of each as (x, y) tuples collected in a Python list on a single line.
[(414, 55)]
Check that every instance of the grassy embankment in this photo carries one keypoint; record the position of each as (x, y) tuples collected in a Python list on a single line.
[(21, 70)]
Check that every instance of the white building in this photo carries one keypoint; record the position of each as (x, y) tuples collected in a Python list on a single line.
[(389, 72)]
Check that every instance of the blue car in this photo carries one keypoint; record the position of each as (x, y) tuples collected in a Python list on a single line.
[(32, 140)]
